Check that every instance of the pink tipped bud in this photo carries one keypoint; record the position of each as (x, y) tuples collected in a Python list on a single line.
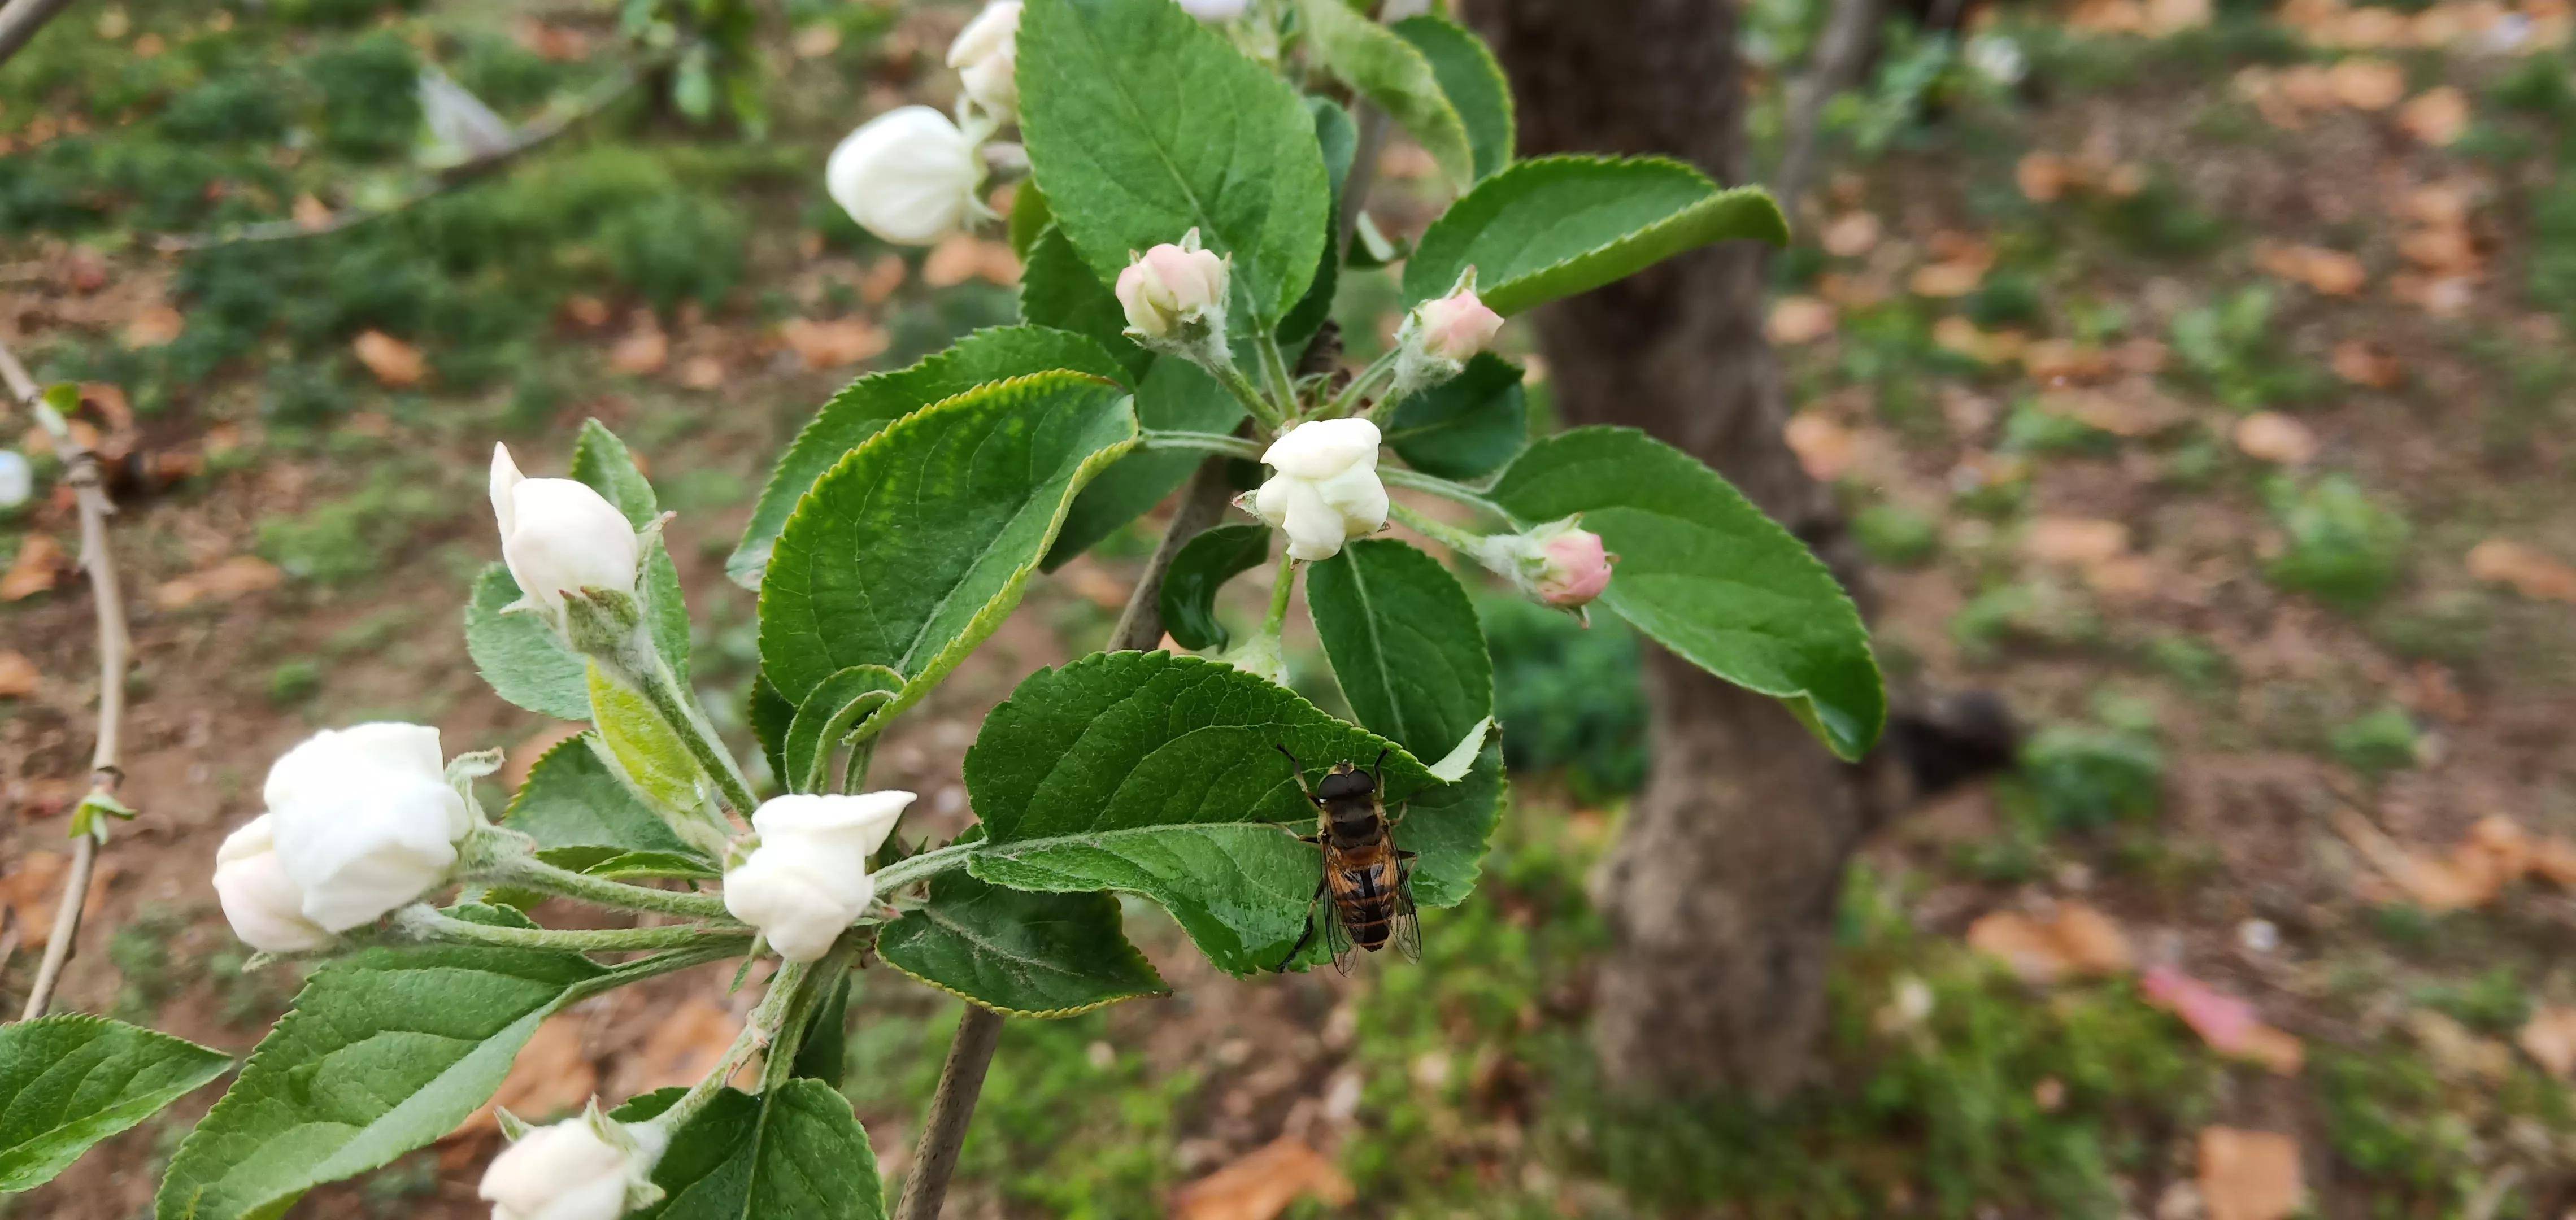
[(1170, 285), (1578, 569), (1457, 326)]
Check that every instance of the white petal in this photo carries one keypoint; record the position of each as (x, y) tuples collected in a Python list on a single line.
[(907, 175), (1320, 449), (505, 476), (264, 907)]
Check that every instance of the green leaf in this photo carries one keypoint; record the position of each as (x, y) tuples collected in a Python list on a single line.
[(1143, 124), (655, 763), (385, 1051), (1339, 137), (1162, 775), (793, 1153), (603, 461), (1057, 289), (1176, 395), (1466, 427), (519, 655), (69, 1081), (1556, 226), (1030, 216), (836, 707), (866, 406), (913, 549), (616, 865), (1708, 576), (1392, 72), (1473, 83), (574, 799), (1029, 955), (1205, 563), (771, 715), (1410, 657), (825, 1053)]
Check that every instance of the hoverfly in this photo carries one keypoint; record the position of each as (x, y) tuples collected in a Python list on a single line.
[(1365, 898)]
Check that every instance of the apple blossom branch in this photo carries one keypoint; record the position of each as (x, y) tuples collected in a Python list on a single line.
[(90, 494)]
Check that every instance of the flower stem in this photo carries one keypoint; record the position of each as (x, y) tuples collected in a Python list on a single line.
[(915, 868), (420, 921), (1274, 369), (1348, 400), (760, 1031), (1439, 531), (536, 874), (1264, 411), (1279, 592)]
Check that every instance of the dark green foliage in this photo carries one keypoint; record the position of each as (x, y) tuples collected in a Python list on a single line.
[(676, 248), (2343, 547), (2382, 741), (2085, 776), (1567, 696), (370, 97), (1895, 535), (2160, 220)]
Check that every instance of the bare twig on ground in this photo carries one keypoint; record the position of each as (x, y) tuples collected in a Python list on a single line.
[(20, 19), (1840, 51), (526, 140), (961, 1080), (89, 491)]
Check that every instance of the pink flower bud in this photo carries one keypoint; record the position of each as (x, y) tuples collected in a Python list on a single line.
[(1458, 325), (1577, 569), (1170, 285)]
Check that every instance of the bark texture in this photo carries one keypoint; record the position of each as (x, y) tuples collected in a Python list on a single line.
[(1721, 892)]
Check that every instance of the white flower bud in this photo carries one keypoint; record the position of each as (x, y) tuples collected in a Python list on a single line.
[(808, 879), (261, 902), (1215, 10), (986, 56), (364, 820), (908, 176), (558, 536), (1326, 491), (586, 1168), (1172, 288)]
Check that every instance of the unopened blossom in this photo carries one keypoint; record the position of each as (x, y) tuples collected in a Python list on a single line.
[(1559, 564), (558, 536), (586, 1168), (986, 57), (808, 879), (1173, 290), (364, 820), (1215, 10), (908, 176), (1440, 335), (1325, 491), (263, 904)]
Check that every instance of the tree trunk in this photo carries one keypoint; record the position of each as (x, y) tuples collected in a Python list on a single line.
[(1721, 892)]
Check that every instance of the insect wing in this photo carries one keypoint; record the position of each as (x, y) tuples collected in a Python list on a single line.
[(1336, 936), (1407, 932)]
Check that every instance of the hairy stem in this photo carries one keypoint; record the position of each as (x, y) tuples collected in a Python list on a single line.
[(536, 874), (679, 709), (423, 922), (1279, 593), (1456, 539), (107, 594), (1348, 400), (970, 1055), (758, 1032), (1263, 410)]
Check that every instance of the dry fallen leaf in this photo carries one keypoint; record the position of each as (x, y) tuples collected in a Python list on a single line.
[(1958, 334), (17, 674), (830, 345), (1823, 445), (2527, 569), (2075, 939), (1947, 279), (2043, 177), (551, 1077), (1796, 320), (2060, 362), (1851, 234), (2549, 1037), (2225, 1021), (311, 214), (2437, 116), (2269, 436), (2367, 84), (960, 257), (2366, 363), (27, 889), (1263, 1183), (882, 278), (587, 312), (2250, 1175), (154, 326), (396, 364), (687, 1045), (225, 581), (702, 372), (38, 567), (2331, 272), (643, 351), (2074, 541)]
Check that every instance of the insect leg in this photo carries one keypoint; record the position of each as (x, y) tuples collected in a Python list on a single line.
[(1308, 936), (1297, 770)]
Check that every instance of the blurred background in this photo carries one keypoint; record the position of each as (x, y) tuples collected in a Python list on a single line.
[(2186, 384)]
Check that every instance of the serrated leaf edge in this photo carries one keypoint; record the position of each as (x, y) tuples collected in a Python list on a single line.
[(1501, 296)]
